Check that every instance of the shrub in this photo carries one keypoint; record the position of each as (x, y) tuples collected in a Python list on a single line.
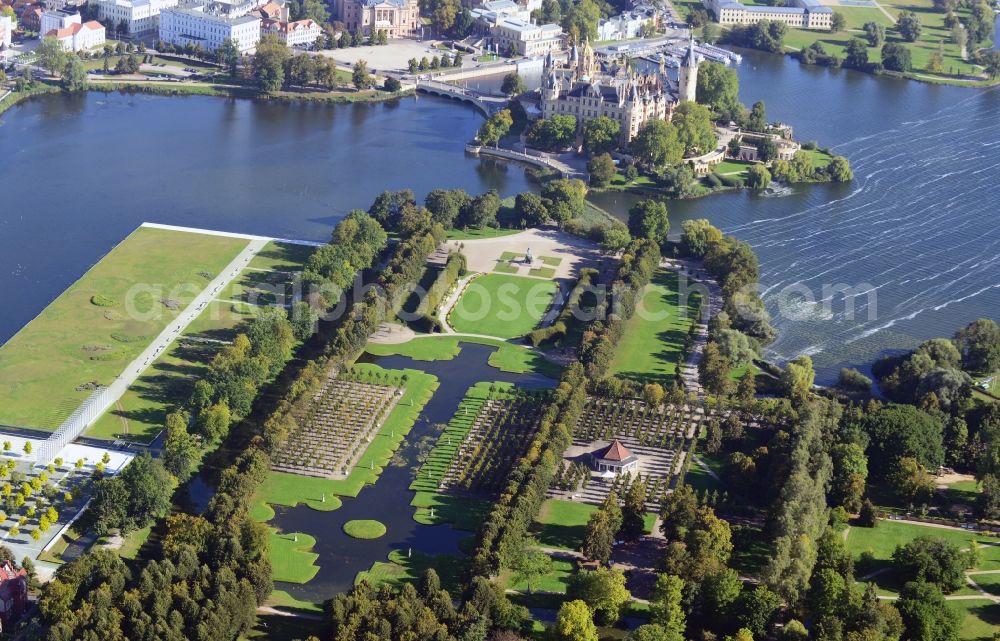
[(103, 301)]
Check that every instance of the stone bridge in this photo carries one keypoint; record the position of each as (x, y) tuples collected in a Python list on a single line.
[(487, 105)]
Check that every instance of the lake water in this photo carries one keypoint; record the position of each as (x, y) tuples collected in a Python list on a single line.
[(917, 227)]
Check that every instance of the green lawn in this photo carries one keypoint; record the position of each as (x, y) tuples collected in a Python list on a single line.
[(654, 336), (555, 581), (732, 167), (487, 232), (283, 600), (882, 541), (932, 34), (509, 357), (409, 567), (291, 560), (502, 305), (542, 272), (282, 488), (74, 341), (505, 268), (988, 582), (463, 512), (285, 257), (562, 524), (980, 619), (551, 261), (364, 529), (701, 480), (280, 627)]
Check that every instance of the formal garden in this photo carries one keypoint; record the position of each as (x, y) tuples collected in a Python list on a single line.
[(334, 430), (502, 305)]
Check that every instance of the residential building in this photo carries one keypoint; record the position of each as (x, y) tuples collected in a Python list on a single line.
[(495, 10), (31, 17), (522, 38), (582, 89), (139, 17), (208, 24), (300, 33), (13, 594), (397, 18), (57, 19), (628, 24), (802, 14), (6, 31), (271, 11), (69, 29)]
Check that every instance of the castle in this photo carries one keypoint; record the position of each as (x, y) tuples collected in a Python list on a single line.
[(583, 89)]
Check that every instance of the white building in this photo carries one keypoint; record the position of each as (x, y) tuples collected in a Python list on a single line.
[(53, 19), (627, 25), (803, 14), (208, 24), (79, 37), (300, 33), (141, 17), (525, 38), (6, 30)]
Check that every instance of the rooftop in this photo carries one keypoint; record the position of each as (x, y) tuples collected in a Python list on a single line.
[(617, 452)]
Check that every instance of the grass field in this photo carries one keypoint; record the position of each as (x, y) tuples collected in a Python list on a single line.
[(737, 167), (402, 568), (75, 341), (882, 541), (980, 619), (988, 582), (501, 305), (282, 488), (463, 512), (364, 529), (654, 336), (291, 560), (555, 581), (474, 234), (562, 524), (931, 35), (508, 357)]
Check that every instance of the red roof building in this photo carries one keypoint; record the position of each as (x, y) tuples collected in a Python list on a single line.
[(615, 459), (13, 594)]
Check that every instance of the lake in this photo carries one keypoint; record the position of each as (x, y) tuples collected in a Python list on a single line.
[(913, 237)]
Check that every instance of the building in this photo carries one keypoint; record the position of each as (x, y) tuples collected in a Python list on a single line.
[(398, 18), (138, 17), (615, 459), (13, 594), (803, 14), (522, 38), (687, 76), (300, 33), (6, 31), (207, 24), (495, 10), (271, 11), (31, 17), (583, 90), (69, 29), (629, 24)]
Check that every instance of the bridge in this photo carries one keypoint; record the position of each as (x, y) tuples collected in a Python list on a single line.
[(487, 105)]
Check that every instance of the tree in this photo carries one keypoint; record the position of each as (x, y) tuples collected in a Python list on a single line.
[(979, 345), (564, 199), (513, 84), (531, 565), (481, 211), (840, 170), (268, 65), (932, 559), (850, 471), (180, 449), (694, 127), (838, 22), (898, 431), (228, 55), (391, 85), (445, 205), (797, 379), (926, 615), (875, 33), (581, 20), (657, 144), (602, 170), (27, 447), (856, 54), (360, 76), (698, 237), (757, 119), (634, 511), (51, 56), (665, 606), (719, 88), (600, 135), (603, 591), (574, 623), (314, 9), (648, 219), (714, 370), (599, 538), (552, 134), (908, 25), (496, 127), (651, 631), (529, 209), (758, 177)]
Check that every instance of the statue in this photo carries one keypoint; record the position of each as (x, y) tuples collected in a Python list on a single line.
[(527, 257)]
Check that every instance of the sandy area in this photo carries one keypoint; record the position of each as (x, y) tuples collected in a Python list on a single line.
[(576, 253)]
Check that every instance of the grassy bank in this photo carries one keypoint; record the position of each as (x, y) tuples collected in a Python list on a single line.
[(240, 91)]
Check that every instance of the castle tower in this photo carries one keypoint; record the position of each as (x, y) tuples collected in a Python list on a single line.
[(687, 78), (586, 66)]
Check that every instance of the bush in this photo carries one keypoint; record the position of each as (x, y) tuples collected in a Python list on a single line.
[(714, 180), (103, 301), (392, 85)]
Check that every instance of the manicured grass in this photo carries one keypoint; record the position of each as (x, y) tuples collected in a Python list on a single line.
[(542, 272), (988, 582), (285, 257), (701, 480), (501, 305), (732, 167), (364, 529), (509, 357), (282, 488), (280, 627), (405, 566), (980, 619), (508, 256), (133, 541), (505, 268), (283, 600), (932, 33), (962, 492), (551, 261), (473, 234), (562, 524), (883, 539), (555, 581), (67, 344), (291, 560), (463, 512), (654, 337)]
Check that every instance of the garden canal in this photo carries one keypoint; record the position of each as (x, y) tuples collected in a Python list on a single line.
[(341, 557)]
